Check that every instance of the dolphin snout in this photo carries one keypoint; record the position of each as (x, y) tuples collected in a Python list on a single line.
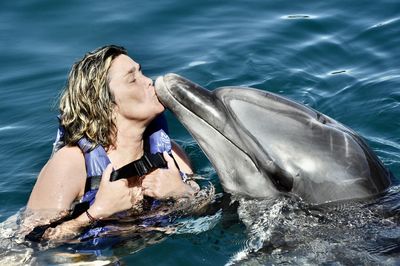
[(162, 91), (159, 83), (171, 77), (164, 82), (163, 85)]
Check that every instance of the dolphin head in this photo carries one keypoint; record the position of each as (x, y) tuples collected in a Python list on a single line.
[(262, 144)]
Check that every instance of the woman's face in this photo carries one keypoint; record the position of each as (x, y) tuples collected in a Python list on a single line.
[(133, 92)]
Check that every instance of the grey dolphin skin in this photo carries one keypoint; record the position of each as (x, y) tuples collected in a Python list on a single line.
[(262, 144)]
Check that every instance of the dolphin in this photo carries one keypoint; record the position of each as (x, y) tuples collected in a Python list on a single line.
[(262, 144)]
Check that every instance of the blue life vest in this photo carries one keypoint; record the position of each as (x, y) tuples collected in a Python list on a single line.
[(96, 159)]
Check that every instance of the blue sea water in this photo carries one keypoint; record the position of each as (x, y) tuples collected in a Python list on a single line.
[(339, 57)]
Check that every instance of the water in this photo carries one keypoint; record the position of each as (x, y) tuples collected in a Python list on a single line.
[(339, 57)]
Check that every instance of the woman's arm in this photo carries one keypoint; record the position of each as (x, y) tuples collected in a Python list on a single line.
[(111, 197), (60, 182)]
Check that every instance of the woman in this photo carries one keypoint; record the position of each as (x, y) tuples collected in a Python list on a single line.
[(110, 103)]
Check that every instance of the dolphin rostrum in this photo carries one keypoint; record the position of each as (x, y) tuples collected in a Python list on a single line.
[(262, 144)]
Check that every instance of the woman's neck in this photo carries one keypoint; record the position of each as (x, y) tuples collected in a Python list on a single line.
[(129, 144)]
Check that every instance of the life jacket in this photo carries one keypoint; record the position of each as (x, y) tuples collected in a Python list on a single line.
[(156, 141)]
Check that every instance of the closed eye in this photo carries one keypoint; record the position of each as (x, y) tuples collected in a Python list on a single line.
[(134, 74)]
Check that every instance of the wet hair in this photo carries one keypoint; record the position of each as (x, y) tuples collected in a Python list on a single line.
[(87, 104)]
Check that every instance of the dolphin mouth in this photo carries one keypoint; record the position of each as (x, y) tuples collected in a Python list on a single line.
[(160, 87)]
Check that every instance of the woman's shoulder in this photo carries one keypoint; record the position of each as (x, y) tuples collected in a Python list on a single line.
[(68, 159), (72, 153)]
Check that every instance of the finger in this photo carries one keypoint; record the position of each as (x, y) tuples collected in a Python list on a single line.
[(150, 180), (170, 160), (106, 176), (149, 184), (138, 194), (136, 191), (148, 177), (132, 193), (153, 174), (107, 173), (149, 193), (47, 234)]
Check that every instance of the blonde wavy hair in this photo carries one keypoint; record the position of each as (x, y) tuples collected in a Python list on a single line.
[(86, 104)]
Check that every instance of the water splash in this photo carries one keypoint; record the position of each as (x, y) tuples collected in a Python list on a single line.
[(285, 230), (126, 236)]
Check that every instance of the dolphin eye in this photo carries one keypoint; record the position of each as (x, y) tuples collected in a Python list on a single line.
[(321, 118)]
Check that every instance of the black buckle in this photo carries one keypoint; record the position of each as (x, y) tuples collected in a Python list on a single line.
[(149, 162)]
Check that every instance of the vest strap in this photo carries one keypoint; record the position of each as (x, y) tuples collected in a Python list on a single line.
[(148, 163)]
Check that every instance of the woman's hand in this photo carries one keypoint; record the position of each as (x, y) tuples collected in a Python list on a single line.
[(166, 183), (114, 196), (65, 231)]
